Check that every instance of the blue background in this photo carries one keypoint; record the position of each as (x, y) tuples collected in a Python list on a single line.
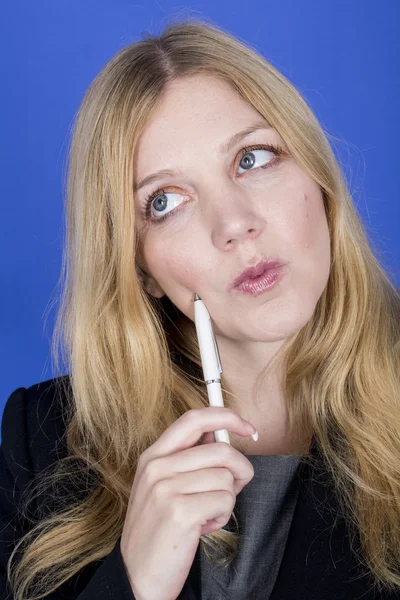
[(340, 55)]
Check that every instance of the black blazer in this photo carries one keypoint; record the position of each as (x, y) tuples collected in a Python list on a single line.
[(317, 562)]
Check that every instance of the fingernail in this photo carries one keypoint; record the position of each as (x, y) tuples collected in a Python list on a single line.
[(250, 428)]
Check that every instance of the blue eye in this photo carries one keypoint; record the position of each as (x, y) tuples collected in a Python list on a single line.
[(249, 160)]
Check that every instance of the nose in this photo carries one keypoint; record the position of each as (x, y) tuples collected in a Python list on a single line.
[(235, 220)]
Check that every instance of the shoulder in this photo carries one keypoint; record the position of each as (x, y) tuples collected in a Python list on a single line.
[(33, 427)]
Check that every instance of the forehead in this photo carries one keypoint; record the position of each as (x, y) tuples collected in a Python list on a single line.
[(196, 112)]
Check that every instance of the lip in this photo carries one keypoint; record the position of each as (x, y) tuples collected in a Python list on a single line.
[(256, 270)]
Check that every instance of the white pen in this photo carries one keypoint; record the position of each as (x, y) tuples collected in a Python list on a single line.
[(210, 361)]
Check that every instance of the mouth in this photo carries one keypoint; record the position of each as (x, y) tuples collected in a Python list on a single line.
[(254, 273)]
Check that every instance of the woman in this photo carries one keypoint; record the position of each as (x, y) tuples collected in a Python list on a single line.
[(113, 486)]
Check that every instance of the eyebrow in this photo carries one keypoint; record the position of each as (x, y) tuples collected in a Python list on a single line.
[(224, 149)]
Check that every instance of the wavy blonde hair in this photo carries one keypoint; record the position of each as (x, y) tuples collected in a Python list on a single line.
[(134, 360)]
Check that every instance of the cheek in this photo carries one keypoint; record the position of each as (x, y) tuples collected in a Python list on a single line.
[(311, 229), (174, 263), (313, 243)]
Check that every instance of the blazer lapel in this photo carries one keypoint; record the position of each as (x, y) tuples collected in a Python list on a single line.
[(318, 561)]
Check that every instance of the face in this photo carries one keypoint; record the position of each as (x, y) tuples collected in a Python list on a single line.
[(226, 211)]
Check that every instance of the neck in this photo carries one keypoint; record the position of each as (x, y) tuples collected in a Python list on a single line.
[(267, 411)]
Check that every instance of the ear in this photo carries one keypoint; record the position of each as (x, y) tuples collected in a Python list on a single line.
[(152, 288), (149, 284)]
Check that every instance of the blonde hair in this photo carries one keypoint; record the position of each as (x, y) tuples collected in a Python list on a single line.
[(133, 359)]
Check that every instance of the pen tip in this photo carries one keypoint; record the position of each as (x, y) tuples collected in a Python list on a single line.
[(196, 297)]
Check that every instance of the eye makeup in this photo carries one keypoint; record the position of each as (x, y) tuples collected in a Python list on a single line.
[(146, 207)]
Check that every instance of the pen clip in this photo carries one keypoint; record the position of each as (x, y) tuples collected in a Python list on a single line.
[(216, 348)]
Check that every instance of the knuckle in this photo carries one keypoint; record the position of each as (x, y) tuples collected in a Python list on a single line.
[(229, 500), (250, 470), (235, 414), (230, 412), (161, 489), (226, 452), (141, 461), (228, 478), (191, 415), (149, 472)]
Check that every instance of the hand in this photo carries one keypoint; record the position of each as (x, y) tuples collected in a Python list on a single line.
[(180, 492)]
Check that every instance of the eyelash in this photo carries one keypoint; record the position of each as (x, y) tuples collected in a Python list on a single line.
[(277, 150)]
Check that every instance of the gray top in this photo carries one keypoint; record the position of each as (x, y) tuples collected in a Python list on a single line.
[(264, 511)]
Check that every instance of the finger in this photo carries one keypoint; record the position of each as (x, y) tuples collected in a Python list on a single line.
[(201, 457), (186, 431)]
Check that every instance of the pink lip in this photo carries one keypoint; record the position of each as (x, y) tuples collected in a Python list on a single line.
[(257, 270), (264, 282)]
